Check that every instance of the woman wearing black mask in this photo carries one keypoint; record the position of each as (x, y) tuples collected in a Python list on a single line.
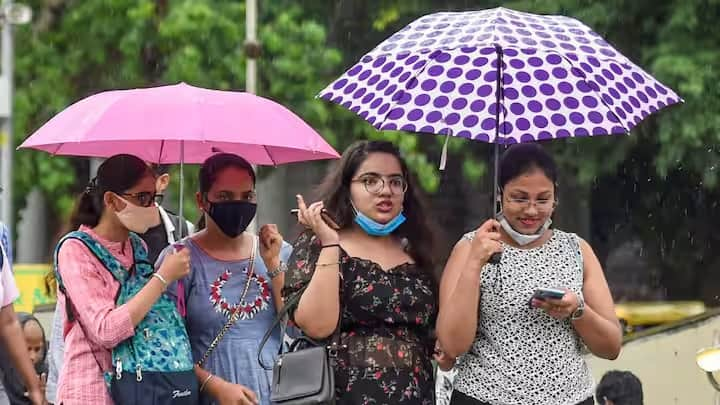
[(234, 283)]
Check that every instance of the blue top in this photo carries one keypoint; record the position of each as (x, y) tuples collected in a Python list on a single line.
[(212, 291), (5, 243)]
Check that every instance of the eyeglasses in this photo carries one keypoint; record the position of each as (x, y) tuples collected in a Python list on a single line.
[(145, 198), (374, 184), (542, 204)]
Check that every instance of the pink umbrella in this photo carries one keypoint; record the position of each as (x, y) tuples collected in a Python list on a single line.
[(180, 124)]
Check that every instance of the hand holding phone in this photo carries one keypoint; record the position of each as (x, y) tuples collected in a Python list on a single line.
[(325, 214), (543, 294), (321, 223)]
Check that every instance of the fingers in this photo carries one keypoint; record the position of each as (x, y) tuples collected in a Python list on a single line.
[(302, 210), (269, 235), (492, 246), (301, 203), (315, 214), (554, 308), (309, 216), (489, 226), (251, 397), (493, 235)]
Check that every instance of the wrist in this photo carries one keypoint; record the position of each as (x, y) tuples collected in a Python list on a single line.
[(476, 263), (579, 310), (276, 268), (272, 262), (329, 240), (214, 386), (165, 275)]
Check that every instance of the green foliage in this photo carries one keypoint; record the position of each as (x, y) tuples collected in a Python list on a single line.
[(77, 48)]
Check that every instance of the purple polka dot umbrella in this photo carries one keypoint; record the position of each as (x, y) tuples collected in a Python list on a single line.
[(500, 76)]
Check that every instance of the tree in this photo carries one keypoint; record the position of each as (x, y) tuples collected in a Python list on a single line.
[(667, 170), (77, 48)]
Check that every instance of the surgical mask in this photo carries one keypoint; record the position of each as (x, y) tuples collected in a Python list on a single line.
[(374, 228), (232, 217), (136, 218), (521, 238)]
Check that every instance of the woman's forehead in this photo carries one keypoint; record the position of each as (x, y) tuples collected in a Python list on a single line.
[(232, 178), (380, 163), (147, 183), (534, 180)]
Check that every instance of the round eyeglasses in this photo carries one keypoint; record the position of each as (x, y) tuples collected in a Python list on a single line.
[(375, 184)]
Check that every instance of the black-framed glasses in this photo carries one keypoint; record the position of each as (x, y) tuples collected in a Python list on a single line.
[(374, 183), (145, 198)]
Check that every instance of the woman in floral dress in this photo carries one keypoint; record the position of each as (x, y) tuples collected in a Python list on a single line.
[(375, 268)]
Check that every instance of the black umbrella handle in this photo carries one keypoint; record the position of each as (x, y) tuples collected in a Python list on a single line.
[(495, 258)]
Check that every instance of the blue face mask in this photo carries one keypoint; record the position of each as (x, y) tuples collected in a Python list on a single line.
[(374, 228)]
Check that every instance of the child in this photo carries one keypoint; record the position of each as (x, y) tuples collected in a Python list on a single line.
[(37, 348), (619, 388)]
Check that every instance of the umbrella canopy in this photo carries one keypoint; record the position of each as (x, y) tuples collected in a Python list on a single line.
[(499, 76), (181, 123)]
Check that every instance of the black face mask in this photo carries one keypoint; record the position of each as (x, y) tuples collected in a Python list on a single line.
[(232, 217)]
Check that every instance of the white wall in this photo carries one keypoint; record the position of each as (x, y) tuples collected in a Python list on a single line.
[(665, 364)]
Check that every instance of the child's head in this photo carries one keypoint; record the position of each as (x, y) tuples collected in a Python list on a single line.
[(34, 338)]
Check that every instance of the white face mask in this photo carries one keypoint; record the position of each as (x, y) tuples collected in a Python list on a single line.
[(521, 238), (135, 218)]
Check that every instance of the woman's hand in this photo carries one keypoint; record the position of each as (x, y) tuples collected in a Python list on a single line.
[(270, 243), (312, 218), (445, 362), (176, 265), (227, 393), (37, 395), (485, 243), (558, 308)]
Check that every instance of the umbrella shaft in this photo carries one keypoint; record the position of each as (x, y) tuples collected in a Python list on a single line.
[(182, 186)]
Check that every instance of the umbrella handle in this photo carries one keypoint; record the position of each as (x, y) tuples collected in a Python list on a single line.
[(495, 258)]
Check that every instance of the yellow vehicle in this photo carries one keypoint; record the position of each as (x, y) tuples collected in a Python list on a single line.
[(30, 280), (635, 316)]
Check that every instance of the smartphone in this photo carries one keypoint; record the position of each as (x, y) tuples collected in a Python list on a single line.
[(548, 293), (325, 216)]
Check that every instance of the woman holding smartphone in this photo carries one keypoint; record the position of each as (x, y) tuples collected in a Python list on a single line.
[(372, 276), (544, 300)]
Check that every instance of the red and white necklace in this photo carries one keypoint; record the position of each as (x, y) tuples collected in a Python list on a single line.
[(246, 308)]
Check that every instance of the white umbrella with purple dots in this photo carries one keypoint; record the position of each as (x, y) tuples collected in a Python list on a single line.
[(499, 76)]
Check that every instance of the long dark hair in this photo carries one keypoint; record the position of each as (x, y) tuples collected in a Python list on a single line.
[(117, 174), (212, 167), (335, 194)]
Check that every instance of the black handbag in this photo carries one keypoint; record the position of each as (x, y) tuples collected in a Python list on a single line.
[(305, 374)]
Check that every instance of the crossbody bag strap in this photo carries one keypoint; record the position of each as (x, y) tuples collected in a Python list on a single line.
[(236, 313), (70, 308)]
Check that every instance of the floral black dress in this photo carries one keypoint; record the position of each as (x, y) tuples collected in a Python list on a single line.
[(386, 324)]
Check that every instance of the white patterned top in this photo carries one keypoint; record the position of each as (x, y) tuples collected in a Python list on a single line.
[(522, 355)]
